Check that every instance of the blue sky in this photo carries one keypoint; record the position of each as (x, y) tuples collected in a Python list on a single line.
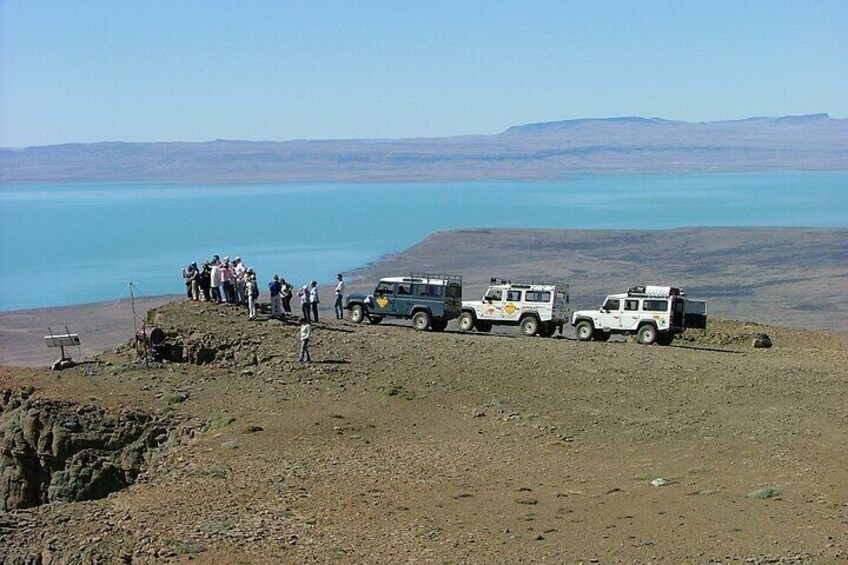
[(201, 70)]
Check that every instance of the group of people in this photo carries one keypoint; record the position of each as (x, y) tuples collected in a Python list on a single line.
[(231, 282)]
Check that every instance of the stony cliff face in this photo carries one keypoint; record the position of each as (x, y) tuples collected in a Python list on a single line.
[(57, 451)]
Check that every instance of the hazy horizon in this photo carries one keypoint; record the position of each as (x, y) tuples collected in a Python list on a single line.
[(199, 71)]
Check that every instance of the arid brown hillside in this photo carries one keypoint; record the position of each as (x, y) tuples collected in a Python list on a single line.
[(403, 447)]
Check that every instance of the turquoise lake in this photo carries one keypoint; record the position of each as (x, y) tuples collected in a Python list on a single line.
[(76, 243)]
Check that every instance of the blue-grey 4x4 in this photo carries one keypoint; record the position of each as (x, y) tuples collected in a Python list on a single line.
[(429, 300)]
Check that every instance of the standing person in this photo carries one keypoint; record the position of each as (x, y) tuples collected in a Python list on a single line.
[(305, 336), (286, 293), (227, 281), (252, 291), (275, 288), (204, 282), (303, 294), (240, 272), (195, 282), (337, 301), (313, 300), (187, 275), (215, 282)]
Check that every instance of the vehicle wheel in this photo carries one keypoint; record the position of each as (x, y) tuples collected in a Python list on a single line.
[(665, 338), (421, 321), (484, 327), (529, 326), (647, 334), (438, 325), (601, 336), (466, 322), (585, 330), (357, 314), (375, 319)]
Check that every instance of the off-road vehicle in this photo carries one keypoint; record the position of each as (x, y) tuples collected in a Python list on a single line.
[(539, 309), (652, 313), (429, 300)]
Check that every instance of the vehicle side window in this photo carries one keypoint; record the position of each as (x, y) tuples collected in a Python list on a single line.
[(384, 288), (403, 289), (612, 305), (537, 296), (454, 291), (435, 291), (513, 296), (494, 295), (655, 305), (631, 305)]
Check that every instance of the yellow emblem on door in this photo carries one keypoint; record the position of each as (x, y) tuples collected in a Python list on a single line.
[(382, 301), (510, 309)]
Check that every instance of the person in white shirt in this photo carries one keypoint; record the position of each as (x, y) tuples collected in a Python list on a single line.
[(305, 336), (241, 280), (216, 283), (337, 303), (303, 294), (313, 300)]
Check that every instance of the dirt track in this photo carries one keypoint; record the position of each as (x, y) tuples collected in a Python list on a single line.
[(405, 447)]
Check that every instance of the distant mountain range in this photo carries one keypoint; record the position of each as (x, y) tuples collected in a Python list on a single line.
[(533, 151)]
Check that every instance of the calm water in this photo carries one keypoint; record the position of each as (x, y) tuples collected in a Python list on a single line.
[(69, 244)]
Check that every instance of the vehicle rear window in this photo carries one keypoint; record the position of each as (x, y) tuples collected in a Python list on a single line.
[(435, 291), (537, 296), (454, 291), (655, 305)]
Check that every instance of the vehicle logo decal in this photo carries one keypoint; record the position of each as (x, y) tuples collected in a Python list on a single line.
[(382, 301), (510, 309)]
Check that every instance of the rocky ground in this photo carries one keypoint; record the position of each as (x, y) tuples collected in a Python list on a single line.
[(403, 447)]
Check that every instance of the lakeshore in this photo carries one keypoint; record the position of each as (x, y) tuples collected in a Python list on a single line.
[(784, 276)]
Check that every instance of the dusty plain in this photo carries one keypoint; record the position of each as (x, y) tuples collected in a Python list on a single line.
[(402, 447)]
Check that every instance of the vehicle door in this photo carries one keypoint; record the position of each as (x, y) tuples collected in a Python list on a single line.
[(631, 313), (512, 305), (384, 299), (493, 303), (610, 314)]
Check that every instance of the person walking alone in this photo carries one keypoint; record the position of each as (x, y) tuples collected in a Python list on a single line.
[(313, 300), (305, 336), (337, 301), (303, 294)]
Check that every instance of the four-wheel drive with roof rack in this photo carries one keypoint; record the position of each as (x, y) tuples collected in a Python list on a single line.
[(538, 308), (652, 313), (429, 300)]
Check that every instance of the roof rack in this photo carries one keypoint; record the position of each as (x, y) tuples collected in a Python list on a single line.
[(527, 284), (433, 277), (654, 290)]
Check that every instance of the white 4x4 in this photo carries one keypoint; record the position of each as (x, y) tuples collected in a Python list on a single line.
[(537, 308), (653, 313)]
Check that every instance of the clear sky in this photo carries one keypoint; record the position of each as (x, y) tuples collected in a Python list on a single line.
[(146, 70)]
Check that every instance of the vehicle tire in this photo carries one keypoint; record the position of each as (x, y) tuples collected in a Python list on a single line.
[(438, 325), (421, 321), (585, 331), (484, 327), (357, 314), (601, 336), (665, 338), (530, 326), (374, 320), (466, 322), (647, 334)]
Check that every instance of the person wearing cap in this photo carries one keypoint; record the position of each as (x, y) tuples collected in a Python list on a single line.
[(252, 291), (275, 288), (337, 299), (303, 294), (313, 300)]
